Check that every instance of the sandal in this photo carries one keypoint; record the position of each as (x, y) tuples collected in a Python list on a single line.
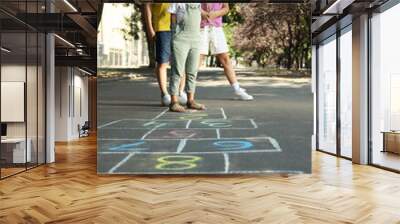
[(176, 107), (195, 106)]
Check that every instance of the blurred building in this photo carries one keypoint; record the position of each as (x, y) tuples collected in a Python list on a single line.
[(114, 49)]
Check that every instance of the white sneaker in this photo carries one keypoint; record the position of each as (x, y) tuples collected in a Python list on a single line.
[(166, 100), (182, 98), (241, 93)]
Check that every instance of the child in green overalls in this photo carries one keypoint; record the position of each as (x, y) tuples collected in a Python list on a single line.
[(186, 18)]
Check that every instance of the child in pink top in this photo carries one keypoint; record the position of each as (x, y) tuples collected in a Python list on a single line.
[(213, 40), (212, 20)]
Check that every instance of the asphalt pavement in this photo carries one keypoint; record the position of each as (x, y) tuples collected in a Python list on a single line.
[(271, 134)]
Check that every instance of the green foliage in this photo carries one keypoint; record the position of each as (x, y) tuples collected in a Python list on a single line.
[(273, 34), (133, 23), (228, 30), (233, 18)]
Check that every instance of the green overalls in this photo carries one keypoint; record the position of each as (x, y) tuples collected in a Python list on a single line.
[(185, 50)]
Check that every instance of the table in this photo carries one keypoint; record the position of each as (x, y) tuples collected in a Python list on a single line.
[(13, 150), (391, 141)]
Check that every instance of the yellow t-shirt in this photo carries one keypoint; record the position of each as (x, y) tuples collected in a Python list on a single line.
[(161, 18)]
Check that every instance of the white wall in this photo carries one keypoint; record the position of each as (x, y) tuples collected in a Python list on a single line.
[(33, 126), (71, 87), (14, 73), (62, 77)]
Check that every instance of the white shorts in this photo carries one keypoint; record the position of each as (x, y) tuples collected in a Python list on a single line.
[(213, 39)]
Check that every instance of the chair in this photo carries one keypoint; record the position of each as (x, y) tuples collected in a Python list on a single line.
[(84, 130)]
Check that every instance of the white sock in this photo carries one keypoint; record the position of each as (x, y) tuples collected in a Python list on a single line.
[(236, 86)]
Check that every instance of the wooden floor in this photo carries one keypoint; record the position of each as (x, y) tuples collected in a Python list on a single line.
[(69, 191)]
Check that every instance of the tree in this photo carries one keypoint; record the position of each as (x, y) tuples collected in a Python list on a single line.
[(231, 21), (274, 34), (135, 24)]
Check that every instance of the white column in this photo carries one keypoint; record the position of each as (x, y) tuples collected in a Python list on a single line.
[(360, 90), (50, 92), (50, 100)]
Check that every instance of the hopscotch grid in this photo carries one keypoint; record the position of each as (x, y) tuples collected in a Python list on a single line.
[(274, 143), (109, 123), (122, 162), (172, 119), (223, 113), (181, 119), (251, 124), (188, 124), (126, 150), (271, 140), (261, 172), (149, 132), (254, 123), (181, 145), (193, 139), (161, 114), (218, 133), (226, 159), (123, 128), (190, 153)]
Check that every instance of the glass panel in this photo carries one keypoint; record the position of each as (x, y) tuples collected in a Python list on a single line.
[(32, 88), (386, 89), (41, 99), (13, 86), (327, 95), (23, 88), (31, 100), (346, 92)]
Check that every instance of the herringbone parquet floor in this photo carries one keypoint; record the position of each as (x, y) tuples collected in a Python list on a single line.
[(69, 191)]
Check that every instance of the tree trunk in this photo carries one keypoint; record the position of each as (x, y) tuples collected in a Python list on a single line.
[(150, 41), (99, 14), (290, 46)]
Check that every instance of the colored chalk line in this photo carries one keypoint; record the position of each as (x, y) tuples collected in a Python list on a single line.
[(163, 162)]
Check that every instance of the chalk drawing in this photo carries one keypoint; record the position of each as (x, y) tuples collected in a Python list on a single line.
[(233, 145), (178, 162)]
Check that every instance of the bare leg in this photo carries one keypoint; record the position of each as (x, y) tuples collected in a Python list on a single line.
[(202, 56), (175, 106), (161, 73), (228, 68), (190, 97), (182, 84), (174, 99), (192, 104), (231, 76)]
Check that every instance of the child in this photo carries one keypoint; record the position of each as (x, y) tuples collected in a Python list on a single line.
[(185, 20), (212, 33), (158, 24)]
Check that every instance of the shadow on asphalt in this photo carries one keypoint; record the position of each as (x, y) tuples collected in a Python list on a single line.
[(138, 104)]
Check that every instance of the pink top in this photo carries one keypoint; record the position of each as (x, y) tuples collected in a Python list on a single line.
[(208, 7)]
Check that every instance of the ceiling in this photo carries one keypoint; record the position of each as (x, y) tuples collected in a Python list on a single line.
[(73, 21)]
